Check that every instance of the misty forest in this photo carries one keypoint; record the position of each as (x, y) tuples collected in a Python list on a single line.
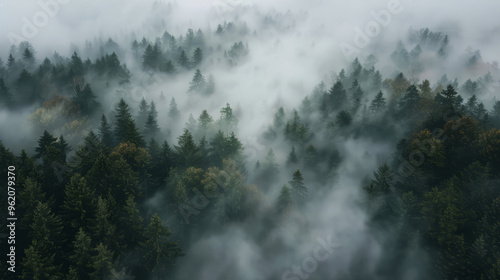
[(248, 141)]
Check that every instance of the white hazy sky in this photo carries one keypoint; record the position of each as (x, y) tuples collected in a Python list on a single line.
[(79, 20)]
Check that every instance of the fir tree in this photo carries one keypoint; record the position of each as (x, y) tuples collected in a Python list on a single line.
[(378, 103), (197, 57), (338, 96), (285, 200), (298, 189), (125, 129), (159, 253), (183, 60), (292, 159), (79, 202), (5, 96), (81, 258), (142, 116), (105, 132), (198, 83), (102, 262), (173, 112), (343, 118), (45, 141)]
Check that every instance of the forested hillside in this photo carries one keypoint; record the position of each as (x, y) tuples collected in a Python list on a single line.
[(122, 169)]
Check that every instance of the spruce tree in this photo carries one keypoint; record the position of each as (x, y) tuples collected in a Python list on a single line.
[(159, 252), (102, 227), (102, 262), (197, 57), (5, 96), (173, 112), (285, 200), (298, 189), (143, 112), (105, 132), (81, 258), (125, 129), (79, 202), (152, 128), (183, 60), (198, 83), (38, 264), (292, 157), (187, 153), (45, 141), (338, 96), (410, 99)]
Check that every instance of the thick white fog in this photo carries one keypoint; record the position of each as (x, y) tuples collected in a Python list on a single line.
[(286, 61)]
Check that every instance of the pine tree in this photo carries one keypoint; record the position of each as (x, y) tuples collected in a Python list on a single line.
[(191, 124), (220, 30), (183, 60), (228, 121), (149, 58), (5, 96), (102, 228), (79, 202), (189, 40), (410, 100), (45, 141), (131, 223), (28, 58), (204, 122), (298, 189), (159, 253), (81, 258), (197, 57), (383, 178), (152, 110), (338, 96), (279, 118), (11, 62), (102, 262), (85, 99), (64, 147), (378, 103), (105, 132), (448, 97), (143, 112), (425, 88), (168, 67), (310, 157), (39, 265), (173, 113), (198, 83), (76, 65), (47, 232), (31, 194), (125, 129), (292, 159), (268, 170), (285, 200), (343, 118), (152, 128), (187, 153)]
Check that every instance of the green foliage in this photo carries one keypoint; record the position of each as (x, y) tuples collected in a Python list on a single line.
[(102, 262), (298, 189), (159, 252), (125, 129), (198, 83), (79, 202)]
